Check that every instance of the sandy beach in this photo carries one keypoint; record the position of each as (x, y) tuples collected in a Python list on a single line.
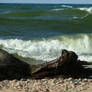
[(47, 85)]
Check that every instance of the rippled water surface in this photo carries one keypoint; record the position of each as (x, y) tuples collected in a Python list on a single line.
[(40, 32)]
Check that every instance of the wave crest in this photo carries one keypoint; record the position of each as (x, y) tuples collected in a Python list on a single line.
[(49, 49), (89, 10)]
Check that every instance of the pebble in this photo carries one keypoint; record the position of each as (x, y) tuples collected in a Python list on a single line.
[(85, 80), (70, 79), (44, 81), (47, 85)]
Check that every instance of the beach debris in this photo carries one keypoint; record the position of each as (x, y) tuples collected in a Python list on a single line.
[(67, 65), (11, 67)]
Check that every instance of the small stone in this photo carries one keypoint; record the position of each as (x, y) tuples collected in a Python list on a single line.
[(72, 85), (76, 82), (47, 90), (85, 80), (1, 87), (70, 79), (28, 81), (23, 80), (44, 81), (18, 85)]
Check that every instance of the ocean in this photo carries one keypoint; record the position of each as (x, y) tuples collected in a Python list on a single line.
[(37, 33)]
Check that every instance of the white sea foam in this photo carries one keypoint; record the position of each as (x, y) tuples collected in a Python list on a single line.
[(75, 17), (66, 6), (50, 49), (89, 10), (59, 9)]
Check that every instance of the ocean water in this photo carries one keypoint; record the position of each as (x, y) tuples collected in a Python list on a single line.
[(37, 33)]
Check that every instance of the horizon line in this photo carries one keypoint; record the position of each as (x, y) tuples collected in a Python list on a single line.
[(47, 3)]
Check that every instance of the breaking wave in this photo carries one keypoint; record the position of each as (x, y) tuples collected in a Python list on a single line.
[(89, 10), (49, 49)]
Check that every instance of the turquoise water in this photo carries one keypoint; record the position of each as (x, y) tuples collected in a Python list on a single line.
[(40, 32)]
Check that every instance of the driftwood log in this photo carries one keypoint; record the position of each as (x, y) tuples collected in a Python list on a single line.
[(11, 67), (67, 65)]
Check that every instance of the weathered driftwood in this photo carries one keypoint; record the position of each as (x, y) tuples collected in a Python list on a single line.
[(67, 64), (11, 67)]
